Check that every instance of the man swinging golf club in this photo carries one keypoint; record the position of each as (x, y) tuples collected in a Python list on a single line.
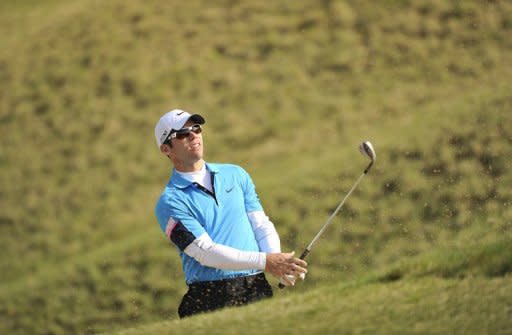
[(212, 213)]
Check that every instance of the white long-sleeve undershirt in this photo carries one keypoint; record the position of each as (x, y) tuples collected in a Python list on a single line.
[(265, 232), (208, 253)]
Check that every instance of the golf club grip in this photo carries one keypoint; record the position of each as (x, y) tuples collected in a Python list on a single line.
[(302, 256), (304, 253)]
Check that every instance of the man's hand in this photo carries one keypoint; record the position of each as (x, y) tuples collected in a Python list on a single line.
[(286, 266), (289, 280)]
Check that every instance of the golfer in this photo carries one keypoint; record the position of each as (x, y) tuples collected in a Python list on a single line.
[(211, 212)]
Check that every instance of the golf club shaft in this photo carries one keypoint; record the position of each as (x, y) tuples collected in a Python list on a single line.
[(329, 220)]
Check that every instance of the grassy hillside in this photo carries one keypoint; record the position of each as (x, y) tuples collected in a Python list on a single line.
[(458, 297), (288, 89), (426, 306)]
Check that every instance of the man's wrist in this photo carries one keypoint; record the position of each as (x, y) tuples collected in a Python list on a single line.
[(263, 261)]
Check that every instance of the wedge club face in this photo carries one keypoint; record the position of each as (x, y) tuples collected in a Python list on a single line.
[(366, 148)]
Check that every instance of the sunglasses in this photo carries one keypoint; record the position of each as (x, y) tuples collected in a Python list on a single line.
[(184, 132)]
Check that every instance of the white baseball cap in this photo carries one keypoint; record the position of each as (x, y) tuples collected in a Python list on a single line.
[(173, 121)]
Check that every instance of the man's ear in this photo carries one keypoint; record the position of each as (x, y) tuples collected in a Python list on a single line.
[(165, 149)]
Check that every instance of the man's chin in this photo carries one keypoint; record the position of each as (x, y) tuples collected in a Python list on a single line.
[(198, 155)]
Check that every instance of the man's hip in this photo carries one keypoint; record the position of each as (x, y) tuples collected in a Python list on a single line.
[(211, 295)]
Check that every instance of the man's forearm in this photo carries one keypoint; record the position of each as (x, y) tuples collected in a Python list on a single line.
[(209, 253)]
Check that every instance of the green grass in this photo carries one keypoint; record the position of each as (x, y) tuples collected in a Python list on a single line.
[(289, 89), (426, 301), (425, 306)]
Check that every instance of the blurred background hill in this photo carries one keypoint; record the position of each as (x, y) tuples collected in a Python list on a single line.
[(289, 89)]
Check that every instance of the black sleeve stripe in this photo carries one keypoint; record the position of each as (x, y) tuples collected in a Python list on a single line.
[(181, 236)]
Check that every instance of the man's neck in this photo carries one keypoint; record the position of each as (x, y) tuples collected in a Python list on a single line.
[(196, 166)]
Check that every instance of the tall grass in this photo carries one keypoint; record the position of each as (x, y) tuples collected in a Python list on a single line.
[(288, 89)]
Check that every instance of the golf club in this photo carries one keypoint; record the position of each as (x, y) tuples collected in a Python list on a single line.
[(367, 150)]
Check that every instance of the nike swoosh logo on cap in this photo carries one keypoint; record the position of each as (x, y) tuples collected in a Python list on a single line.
[(180, 113)]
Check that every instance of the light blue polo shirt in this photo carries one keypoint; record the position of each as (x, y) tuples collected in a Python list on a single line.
[(185, 211)]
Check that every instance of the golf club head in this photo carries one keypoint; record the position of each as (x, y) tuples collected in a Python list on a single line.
[(367, 150)]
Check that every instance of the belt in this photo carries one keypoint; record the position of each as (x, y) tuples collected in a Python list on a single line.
[(228, 283)]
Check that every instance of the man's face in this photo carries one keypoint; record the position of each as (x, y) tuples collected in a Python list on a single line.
[(186, 151)]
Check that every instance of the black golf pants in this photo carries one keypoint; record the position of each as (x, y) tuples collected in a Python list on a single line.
[(212, 295)]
